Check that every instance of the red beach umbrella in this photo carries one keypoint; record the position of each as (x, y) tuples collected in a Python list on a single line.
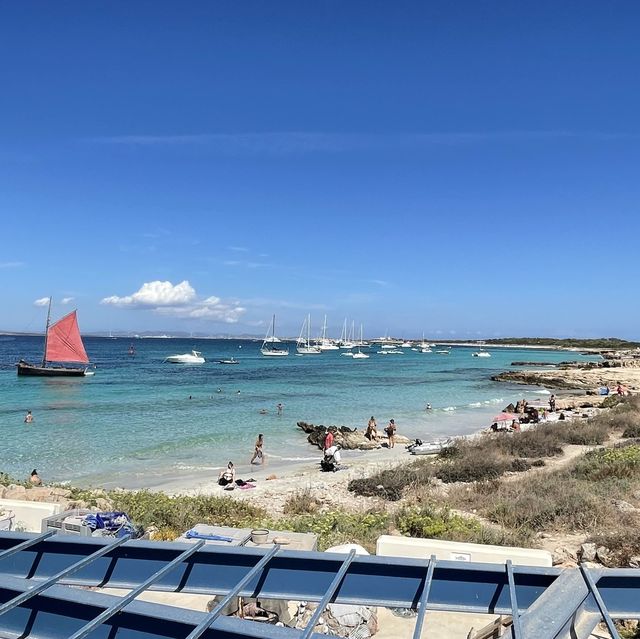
[(503, 417)]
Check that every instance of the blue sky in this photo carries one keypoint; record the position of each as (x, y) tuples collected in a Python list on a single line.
[(465, 168)]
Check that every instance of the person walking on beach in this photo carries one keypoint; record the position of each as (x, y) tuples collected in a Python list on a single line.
[(28, 418), (328, 439), (258, 453), (391, 433), (552, 404)]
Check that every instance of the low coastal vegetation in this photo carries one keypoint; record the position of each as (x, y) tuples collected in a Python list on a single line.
[(604, 343)]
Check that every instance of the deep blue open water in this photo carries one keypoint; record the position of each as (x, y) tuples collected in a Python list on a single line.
[(134, 416)]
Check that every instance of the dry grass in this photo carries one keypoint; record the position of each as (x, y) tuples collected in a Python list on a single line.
[(301, 503)]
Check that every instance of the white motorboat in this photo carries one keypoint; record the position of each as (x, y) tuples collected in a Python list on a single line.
[(406, 345), (481, 353), (304, 345), (424, 347), (444, 351), (349, 354), (228, 361), (431, 448), (394, 351), (194, 357), (268, 348)]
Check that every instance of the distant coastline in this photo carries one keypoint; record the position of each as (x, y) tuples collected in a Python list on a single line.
[(593, 345)]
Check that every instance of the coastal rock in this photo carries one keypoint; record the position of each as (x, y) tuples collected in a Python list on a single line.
[(348, 438), (588, 552), (563, 556), (624, 506), (15, 492), (603, 555), (104, 504), (634, 562)]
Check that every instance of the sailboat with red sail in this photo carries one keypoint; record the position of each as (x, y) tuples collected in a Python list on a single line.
[(63, 350)]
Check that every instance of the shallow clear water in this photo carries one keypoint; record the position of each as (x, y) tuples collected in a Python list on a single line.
[(134, 416)]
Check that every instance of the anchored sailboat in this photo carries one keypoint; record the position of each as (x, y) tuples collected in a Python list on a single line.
[(269, 348), (304, 345), (62, 345)]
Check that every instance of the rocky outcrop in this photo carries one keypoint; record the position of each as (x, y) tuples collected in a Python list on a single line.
[(348, 438), (531, 378), (55, 494)]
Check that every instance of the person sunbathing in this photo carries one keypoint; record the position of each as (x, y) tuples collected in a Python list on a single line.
[(227, 475)]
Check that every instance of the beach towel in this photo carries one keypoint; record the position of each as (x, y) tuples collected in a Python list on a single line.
[(194, 534)]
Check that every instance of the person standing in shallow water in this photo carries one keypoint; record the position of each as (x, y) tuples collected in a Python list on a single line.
[(258, 453), (28, 418)]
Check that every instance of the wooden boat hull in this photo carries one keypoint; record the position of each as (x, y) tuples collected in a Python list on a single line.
[(31, 370)]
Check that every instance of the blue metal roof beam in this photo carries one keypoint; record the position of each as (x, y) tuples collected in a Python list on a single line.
[(60, 611), (370, 580)]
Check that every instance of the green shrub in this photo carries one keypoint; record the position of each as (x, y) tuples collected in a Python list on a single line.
[(632, 431), (391, 484), (619, 462), (520, 465), (475, 464), (337, 527), (178, 514), (437, 523)]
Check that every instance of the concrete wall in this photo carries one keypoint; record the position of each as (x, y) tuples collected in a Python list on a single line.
[(29, 514), (391, 546)]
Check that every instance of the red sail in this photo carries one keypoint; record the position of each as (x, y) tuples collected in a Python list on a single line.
[(64, 343)]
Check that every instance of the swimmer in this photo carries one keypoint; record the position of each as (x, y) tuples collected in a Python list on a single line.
[(263, 411), (28, 418), (428, 407)]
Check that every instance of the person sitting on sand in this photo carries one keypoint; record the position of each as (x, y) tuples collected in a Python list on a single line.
[(391, 433), (227, 475), (515, 426), (28, 418), (372, 430), (35, 478), (258, 453)]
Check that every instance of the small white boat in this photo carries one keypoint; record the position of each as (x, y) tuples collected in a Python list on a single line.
[(406, 345), (194, 357), (426, 350), (432, 448), (444, 352), (228, 361), (347, 354), (481, 353)]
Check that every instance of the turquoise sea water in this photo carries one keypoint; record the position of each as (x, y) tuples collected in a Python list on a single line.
[(134, 418)]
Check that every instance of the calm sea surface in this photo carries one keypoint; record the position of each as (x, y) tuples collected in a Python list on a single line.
[(134, 417)]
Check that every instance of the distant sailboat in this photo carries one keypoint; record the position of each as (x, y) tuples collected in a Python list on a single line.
[(325, 343), (359, 354), (304, 346), (268, 348), (62, 345)]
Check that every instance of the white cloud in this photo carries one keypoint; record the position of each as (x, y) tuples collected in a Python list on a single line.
[(43, 301), (238, 249), (179, 301), (11, 264), (155, 294), (67, 300)]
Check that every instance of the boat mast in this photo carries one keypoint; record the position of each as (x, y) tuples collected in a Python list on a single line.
[(46, 334)]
